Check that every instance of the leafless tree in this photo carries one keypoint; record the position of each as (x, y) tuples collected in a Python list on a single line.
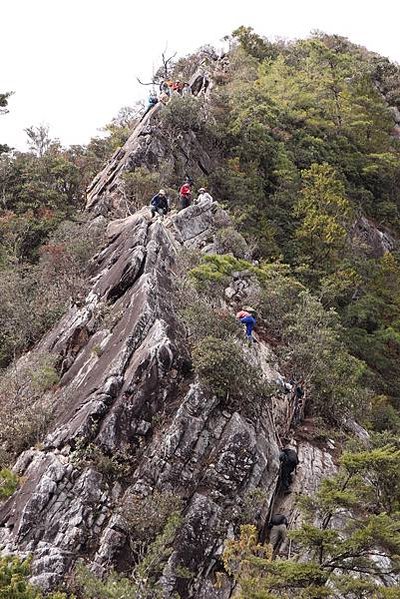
[(163, 72), (38, 139)]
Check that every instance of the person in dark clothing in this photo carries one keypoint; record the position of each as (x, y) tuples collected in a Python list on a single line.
[(159, 204), (151, 102), (165, 88), (189, 180), (289, 461), (298, 402), (278, 530), (299, 391)]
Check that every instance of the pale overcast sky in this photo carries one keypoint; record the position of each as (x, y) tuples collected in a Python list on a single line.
[(73, 64)]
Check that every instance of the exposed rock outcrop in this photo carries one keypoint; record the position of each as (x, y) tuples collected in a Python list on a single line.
[(150, 145), (126, 389), (368, 239)]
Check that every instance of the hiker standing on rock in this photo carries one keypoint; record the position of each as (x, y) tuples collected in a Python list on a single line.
[(185, 195), (159, 204), (278, 531)]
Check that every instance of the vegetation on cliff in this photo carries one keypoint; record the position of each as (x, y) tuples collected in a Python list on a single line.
[(304, 147)]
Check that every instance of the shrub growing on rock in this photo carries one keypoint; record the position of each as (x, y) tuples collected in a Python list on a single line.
[(8, 483), (183, 115), (147, 516), (143, 580), (25, 409), (223, 368), (14, 583), (203, 321), (229, 241)]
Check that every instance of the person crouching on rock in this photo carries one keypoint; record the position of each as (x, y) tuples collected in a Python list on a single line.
[(247, 316), (159, 204), (203, 195)]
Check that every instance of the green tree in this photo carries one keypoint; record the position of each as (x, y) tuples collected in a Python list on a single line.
[(3, 110), (325, 214), (348, 525), (314, 349), (39, 140), (255, 45)]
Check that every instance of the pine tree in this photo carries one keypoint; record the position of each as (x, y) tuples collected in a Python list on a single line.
[(349, 540)]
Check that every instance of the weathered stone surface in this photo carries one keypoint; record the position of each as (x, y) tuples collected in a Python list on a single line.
[(150, 146), (124, 361), (368, 239), (126, 388)]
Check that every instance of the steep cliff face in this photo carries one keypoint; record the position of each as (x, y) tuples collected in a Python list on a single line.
[(151, 145), (126, 388)]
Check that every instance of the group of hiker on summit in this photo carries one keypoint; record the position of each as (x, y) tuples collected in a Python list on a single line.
[(167, 89), (160, 203)]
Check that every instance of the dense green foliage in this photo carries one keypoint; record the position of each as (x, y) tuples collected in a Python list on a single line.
[(364, 496), (8, 483), (310, 339), (306, 135), (14, 581)]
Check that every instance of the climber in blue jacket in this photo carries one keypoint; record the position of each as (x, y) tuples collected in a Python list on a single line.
[(247, 316), (151, 102)]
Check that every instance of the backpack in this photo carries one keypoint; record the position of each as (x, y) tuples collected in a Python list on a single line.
[(291, 456), (277, 519)]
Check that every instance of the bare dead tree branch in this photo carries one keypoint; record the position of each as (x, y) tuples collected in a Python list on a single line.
[(141, 82), (165, 69), (166, 62)]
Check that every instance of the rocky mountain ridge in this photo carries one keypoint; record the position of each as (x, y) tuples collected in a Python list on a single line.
[(126, 388), (116, 378)]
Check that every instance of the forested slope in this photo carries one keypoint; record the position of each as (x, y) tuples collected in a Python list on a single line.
[(139, 428)]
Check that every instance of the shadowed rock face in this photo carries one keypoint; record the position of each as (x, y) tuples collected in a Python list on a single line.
[(369, 240)]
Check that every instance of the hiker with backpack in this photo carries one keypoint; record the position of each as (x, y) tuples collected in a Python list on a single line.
[(151, 102), (247, 316), (289, 462), (185, 194)]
